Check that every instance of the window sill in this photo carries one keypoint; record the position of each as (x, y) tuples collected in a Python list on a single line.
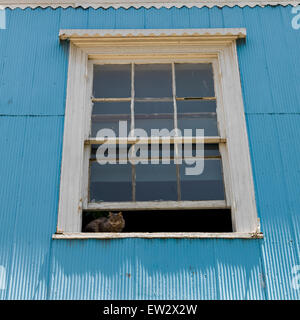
[(160, 235)]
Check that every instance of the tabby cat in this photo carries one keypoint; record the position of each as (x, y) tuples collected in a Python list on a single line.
[(113, 223)]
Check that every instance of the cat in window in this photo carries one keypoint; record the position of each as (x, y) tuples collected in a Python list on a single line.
[(113, 223)]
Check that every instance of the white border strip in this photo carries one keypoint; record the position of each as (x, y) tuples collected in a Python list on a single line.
[(173, 235), (138, 4)]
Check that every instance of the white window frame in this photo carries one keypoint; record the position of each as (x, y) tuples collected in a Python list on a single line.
[(216, 46)]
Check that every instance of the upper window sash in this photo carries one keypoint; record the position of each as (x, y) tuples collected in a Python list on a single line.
[(114, 83)]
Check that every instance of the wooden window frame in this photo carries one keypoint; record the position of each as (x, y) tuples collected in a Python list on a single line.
[(216, 46)]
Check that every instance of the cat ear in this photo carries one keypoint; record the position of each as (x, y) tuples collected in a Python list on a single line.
[(110, 214), (120, 213)]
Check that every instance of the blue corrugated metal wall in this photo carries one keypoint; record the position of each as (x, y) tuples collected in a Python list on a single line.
[(33, 71)]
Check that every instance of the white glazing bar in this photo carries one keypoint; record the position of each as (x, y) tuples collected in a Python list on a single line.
[(162, 140), (111, 99), (159, 205)]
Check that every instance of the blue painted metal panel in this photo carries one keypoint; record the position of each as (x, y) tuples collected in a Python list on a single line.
[(31, 81), (280, 251), (33, 71), (30, 152), (156, 269)]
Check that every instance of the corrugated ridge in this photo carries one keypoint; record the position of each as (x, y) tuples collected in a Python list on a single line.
[(148, 4), (30, 196)]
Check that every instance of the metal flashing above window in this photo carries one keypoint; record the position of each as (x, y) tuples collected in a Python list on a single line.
[(144, 3), (78, 35)]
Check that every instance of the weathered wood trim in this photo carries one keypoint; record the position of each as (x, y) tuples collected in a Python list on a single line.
[(148, 140), (160, 205), (222, 130), (168, 235), (243, 205), (152, 99), (70, 198)]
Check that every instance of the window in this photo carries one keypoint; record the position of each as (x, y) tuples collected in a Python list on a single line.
[(138, 104), (145, 97)]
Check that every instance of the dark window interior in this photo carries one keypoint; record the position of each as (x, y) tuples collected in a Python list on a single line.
[(210, 220)]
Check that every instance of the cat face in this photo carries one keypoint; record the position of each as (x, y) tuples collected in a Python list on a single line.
[(115, 217)]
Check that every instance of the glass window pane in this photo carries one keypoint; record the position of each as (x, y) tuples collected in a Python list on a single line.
[(166, 152), (107, 108), (156, 182), (210, 150), (154, 153), (196, 106), (106, 115), (110, 152), (208, 122), (110, 182), (197, 115), (206, 186), (112, 81), (154, 115), (194, 80), (153, 80)]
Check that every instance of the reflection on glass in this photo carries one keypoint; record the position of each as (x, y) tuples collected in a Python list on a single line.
[(154, 115), (153, 80), (112, 81), (110, 182), (113, 108), (210, 150), (196, 106), (208, 122), (206, 186), (156, 182), (106, 115), (112, 153), (194, 80)]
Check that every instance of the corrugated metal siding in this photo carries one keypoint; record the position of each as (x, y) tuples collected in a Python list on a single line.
[(145, 3), (33, 70)]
